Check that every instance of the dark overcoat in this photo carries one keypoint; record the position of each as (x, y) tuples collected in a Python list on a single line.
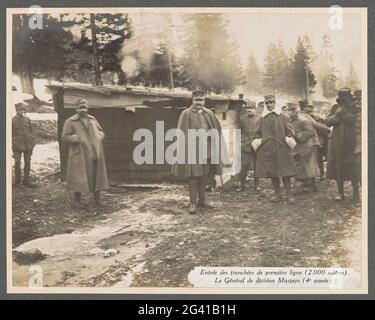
[(341, 144), (274, 157), (193, 119), (85, 146)]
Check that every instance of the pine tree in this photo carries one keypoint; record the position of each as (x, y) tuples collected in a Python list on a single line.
[(328, 74), (302, 77), (40, 53), (270, 79), (276, 75), (210, 60), (149, 57), (351, 79), (253, 76), (98, 50)]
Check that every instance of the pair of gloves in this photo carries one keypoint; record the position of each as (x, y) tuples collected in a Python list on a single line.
[(289, 141)]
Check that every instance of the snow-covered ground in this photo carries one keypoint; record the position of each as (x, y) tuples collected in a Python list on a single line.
[(42, 116)]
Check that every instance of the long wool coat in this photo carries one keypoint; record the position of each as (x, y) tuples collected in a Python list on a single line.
[(274, 157), (341, 145), (306, 150), (191, 118), (85, 146)]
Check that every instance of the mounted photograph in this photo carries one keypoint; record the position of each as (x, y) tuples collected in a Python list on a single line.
[(187, 150)]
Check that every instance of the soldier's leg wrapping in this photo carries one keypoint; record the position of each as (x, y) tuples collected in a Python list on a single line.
[(321, 162), (256, 179), (193, 190), (287, 185), (17, 166), (77, 196), (256, 183), (355, 186), (340, 188), (76, 203), (202, 189), (313, 185), (244, 171), (276, 186), (27, 167)]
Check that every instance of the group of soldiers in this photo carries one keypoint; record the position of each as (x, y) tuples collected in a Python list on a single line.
[(281, 143), (277, 142), (83, 135)]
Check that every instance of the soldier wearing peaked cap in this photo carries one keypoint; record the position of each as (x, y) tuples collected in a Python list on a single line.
[(306, 151), (86, 168), (342, 142), (193, 163), (273, 144), (22, 144)]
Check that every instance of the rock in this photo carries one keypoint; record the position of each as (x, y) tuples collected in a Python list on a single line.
[(28, 257), (110, 253)]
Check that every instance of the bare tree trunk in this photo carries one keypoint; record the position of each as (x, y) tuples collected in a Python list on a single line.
[(169, 55), (98, 76), (22, 69)]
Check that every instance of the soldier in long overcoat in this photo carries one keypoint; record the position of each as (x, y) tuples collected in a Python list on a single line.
[(306, 150), (323, 134), (193, 163), (342, 142), (273, 144), (86, 167)]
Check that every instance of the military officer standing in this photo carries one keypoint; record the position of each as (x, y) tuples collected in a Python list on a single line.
[(86, 167), (274, 141), (202, 168)]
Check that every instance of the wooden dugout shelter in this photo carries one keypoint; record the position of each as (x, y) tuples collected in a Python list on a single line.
[(123, 110)]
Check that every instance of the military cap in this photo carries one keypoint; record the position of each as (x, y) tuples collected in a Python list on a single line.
[(269, 98), (251, 104), (344, 94), (20, 106), (198, 93), (291, 106), (82, 103)]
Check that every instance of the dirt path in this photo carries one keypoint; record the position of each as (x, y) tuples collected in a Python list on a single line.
[(147, 239), (155, 243)]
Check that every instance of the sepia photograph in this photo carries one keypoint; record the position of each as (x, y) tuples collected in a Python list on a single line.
[(187, 150)]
